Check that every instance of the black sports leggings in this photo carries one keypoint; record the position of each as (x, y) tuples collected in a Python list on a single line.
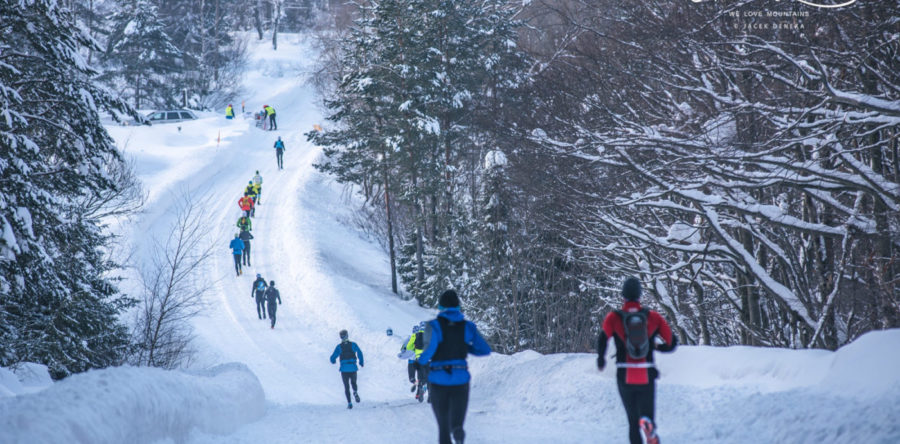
[(261, 307), (638, 401), (246, 256), (411, 369), (272, 308), (237, 263), (349, 379), (449, 403)]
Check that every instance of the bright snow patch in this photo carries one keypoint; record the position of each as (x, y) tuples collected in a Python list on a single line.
[(494, 158), (133, 405)]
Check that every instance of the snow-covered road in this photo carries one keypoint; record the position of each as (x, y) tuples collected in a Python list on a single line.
[(331, 278)]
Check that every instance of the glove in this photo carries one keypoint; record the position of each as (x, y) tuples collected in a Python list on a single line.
[(601, 362), (279, 303), (669, 348)]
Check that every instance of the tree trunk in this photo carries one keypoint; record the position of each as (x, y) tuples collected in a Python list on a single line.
[(390, 228), (701, 313), (257, 20), (275, 19), (420, 261)]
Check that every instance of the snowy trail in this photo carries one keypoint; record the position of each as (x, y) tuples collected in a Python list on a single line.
[(331, 278)]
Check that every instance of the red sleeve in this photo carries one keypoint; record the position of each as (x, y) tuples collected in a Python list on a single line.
[(613, 324), (662, 327)]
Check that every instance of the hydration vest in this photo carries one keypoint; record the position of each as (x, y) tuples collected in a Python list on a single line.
[(453, 343), (419, 343), (637, 338), (347, 353)]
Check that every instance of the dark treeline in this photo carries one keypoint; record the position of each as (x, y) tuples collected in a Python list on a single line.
[(533, 156)]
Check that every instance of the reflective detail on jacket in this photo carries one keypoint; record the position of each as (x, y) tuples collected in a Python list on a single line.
[(411, 345)]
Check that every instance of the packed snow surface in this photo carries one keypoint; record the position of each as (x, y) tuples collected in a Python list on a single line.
[(250, 383)]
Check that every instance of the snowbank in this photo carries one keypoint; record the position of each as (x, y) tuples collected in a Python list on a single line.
[(868, 367), (134, 405), (711, 394), (28, 377)]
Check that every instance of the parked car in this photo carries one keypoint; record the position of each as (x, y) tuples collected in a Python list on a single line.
[(171, 116)]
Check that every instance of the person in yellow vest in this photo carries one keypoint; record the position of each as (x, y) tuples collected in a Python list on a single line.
[(416, 344), (229, 112), (257, 186), (271, 113), (250, 190)]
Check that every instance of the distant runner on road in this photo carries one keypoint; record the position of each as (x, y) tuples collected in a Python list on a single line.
[(279, 152)]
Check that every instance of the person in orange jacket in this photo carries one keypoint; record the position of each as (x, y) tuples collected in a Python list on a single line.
[(246, 204)]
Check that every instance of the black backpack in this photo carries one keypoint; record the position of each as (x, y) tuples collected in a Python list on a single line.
[(347, 352), (420, 341), (637, 339)]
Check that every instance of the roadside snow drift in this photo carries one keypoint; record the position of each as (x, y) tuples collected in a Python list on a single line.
[(134, 405)]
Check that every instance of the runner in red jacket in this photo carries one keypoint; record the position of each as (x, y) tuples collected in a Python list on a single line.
[(635, 342), (246, 204)]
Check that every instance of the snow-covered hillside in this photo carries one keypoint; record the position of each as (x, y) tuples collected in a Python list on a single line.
[(251, 383)]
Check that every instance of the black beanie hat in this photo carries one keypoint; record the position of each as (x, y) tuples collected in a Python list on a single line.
[(448, 299), (631, 289)]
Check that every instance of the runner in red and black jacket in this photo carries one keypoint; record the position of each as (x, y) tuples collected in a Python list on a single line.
[(635, 377)]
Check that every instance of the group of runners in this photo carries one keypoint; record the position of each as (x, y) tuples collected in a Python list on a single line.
[(437, 351), (240, 245)]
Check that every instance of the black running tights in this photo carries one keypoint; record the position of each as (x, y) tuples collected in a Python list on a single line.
[(349, 379), (638, 401), (449, 403)]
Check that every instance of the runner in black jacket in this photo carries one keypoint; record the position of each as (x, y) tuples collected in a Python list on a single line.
[(258, 290), (272, 294)]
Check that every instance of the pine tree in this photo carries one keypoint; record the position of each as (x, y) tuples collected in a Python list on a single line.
[(58, 306), (425, 84), (464, 70), (213, 57), (497, 301), (141, 55)]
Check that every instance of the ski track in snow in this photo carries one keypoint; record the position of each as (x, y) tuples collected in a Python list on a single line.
[(331, 278)]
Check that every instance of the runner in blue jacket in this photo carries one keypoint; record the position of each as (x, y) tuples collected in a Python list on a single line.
[(348, 352), (237, 249), (448, 340)]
